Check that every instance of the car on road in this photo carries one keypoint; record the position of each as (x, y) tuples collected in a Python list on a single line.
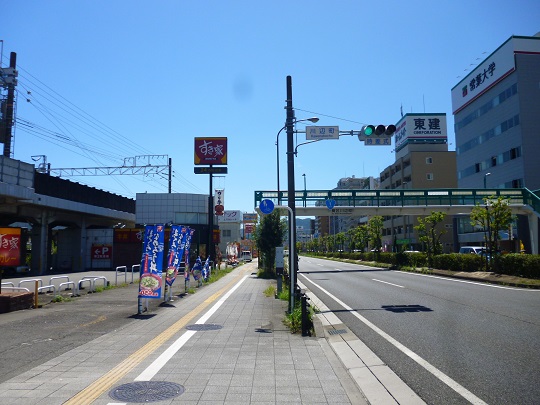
[(246, 256), (477, 250)]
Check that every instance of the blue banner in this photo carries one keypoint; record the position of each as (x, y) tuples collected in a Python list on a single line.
[(186, 252), (152, 262), (177, 243)]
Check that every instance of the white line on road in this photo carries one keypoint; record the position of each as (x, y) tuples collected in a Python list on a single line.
[(464, 392), (469, 282), (386, 282)]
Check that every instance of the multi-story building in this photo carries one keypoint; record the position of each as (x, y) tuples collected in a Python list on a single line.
[(497, 124), (423, 161)]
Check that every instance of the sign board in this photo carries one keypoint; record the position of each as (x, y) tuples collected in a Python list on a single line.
[(266, 206), (249, 217), (210, 170), (492, 70), (211, 151), (280, 263), (383, 140), (10, 246), (248, 228), (101, 252), (421, 128), (230, 216), (316, 133)]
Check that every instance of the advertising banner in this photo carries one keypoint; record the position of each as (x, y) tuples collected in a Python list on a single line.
[(420, 128), (10, 246), (230, 216), (186, 252), (211, 151), (177, 243), (219, 201), (152, 262)]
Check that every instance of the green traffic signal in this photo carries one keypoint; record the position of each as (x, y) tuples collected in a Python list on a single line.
[(368, 130)]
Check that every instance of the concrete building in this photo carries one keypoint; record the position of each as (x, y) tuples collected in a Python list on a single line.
[(423, 161), (497, 124)]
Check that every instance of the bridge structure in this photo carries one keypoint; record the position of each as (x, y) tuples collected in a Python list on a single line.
[(408, 202)]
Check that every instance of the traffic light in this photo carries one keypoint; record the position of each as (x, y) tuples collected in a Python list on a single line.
[(369, 130)]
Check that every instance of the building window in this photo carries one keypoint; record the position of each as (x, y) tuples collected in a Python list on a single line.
[(226, 233), (429, 160), (429, 176)]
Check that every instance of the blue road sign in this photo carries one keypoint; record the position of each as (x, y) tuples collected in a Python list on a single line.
[(266, 206), (330, 204)]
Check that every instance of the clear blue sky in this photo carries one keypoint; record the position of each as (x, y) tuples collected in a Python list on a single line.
[(116, 79)]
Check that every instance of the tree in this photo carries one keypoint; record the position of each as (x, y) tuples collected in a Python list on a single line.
[(428, 233), (494, 216), (340, 240), (375, 226), (269, 234)]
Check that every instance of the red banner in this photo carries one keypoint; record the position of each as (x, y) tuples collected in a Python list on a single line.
[(10, 246)]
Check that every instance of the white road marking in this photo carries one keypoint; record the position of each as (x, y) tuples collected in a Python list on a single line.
[(154, 368), (465, 393), (386, 282), (469, 282)]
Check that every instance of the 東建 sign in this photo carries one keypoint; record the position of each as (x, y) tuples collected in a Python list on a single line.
[(211, 151)]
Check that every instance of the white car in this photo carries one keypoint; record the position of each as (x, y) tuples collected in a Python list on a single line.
[(246, 256), (477, 250)]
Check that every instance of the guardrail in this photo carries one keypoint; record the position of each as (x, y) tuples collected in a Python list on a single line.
[(32, 280), (119, 270), (15, 288)]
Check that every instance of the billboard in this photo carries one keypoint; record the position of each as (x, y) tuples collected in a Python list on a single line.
[(230, 216), (491, 71), (10, 246), (250, 217), (211, 151), (420, 128)]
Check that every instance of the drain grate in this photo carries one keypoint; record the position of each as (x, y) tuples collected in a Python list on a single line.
[(146, 391), (204, 326), (337, 331)]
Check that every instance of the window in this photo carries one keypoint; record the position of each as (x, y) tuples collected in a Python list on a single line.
[(226, 233), (429, 160), (429, 176)]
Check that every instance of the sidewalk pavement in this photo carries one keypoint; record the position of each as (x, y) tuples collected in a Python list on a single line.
[(224, 344)]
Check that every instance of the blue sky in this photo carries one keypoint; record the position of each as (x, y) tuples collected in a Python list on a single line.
[(110, 80)]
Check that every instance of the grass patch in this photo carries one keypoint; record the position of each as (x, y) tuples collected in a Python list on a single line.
[(270, 291), (59, 298)]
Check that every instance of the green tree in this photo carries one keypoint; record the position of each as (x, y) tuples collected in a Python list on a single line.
[(340, 240), (270, 233), (430, 235), (494, 216), (375, 226)]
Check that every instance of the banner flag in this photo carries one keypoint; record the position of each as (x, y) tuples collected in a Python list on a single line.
[(176, 249), (206, 269), (186, 252), (152, 262), (197, 269)]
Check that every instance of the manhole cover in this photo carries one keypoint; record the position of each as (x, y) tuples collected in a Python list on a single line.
[(204, 326), (146, 391)]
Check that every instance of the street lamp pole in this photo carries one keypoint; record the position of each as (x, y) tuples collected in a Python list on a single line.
[(485, 179), (313, 120), (305, 195)]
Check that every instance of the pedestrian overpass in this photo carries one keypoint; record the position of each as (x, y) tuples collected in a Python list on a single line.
[(406, 202)]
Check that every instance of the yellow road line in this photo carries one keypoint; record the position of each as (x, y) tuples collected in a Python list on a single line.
[(103, 384)]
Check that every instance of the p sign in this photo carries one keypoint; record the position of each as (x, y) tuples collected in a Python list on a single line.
[(101, 251)]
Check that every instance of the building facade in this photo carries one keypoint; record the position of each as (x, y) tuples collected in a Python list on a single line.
[(423, 161), (497, 124)]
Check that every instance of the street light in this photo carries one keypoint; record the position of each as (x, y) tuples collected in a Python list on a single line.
[(485, 179), (313, 120)]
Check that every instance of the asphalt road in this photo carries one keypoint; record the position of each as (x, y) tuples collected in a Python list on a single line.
[(451, 341)]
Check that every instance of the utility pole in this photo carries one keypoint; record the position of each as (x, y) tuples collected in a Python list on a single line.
[(289, 123), (8, 115)]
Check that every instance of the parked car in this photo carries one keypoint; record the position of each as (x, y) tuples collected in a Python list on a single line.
[(477, 250)]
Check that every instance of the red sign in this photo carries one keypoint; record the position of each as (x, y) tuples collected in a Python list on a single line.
[(101, 251), (248, 228), (10, 246), (211, 151), (133, 235)]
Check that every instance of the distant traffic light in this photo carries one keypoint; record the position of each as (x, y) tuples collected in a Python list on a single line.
[(369, 130)]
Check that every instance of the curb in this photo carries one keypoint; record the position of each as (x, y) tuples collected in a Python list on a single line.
[(378, 383)]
